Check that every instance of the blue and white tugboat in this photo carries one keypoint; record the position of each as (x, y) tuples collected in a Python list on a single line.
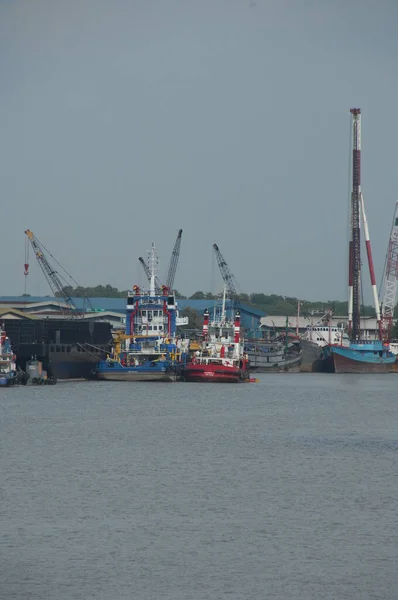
[(149, 349)]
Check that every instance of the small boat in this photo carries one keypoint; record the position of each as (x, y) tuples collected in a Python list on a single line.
[(282, 355), (8, 368), (221, 358), (36, 375), (274, 358)]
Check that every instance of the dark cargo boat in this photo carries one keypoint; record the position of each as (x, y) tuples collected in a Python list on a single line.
[(68, 348)]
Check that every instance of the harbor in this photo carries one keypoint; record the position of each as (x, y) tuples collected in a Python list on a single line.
[(198, 300), (149, 337)]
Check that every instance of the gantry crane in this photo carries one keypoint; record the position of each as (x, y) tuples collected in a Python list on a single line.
[(227, 276), (57, 286), (390, 276)]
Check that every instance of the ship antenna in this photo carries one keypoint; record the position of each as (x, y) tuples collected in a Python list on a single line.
[(223, 304)]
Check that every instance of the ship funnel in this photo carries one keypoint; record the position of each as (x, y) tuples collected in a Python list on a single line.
[(205, 324), (237, 327)]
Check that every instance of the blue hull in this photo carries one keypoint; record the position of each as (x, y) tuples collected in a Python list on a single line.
[(359, 357), (7, 381), (114, 371)]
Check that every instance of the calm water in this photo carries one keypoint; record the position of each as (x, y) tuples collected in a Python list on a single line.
[(284, 489)]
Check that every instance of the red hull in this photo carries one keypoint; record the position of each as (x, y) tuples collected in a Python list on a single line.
[(342, 364), (213, 374)]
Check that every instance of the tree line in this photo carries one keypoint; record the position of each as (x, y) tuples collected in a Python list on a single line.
[(272, 304)]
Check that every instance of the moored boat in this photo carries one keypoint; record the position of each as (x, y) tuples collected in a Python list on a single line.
[(149, 349), (366, 356), (149, 370), (37, 375), (221, 358)]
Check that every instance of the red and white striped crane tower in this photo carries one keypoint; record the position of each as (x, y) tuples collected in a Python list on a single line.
[(358, 212)]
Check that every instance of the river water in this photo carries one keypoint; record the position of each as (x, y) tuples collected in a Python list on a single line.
[(283, 489)]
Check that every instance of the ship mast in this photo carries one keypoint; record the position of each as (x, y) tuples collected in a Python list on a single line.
[(223, 304), (153, 263), (354, 303)]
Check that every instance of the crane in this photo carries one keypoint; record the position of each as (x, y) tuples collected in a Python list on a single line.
[(148, 273), (174, 261), (58, 287), (227, 276), (357, 214), (172, 266), (390, 276)]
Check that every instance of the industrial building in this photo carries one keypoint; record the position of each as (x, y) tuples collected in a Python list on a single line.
[(277, 324), (111, 310)]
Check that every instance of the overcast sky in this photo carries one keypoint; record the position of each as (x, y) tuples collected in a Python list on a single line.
[(122, 121)]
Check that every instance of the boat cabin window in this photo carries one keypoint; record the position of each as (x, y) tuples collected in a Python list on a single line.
[(160, 327), (150, 327), (155, 327), (143, 313)]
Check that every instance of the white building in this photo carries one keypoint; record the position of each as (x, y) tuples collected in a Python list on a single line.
[(277, 324)]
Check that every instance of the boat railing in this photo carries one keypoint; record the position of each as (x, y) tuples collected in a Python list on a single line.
[(368, 342)]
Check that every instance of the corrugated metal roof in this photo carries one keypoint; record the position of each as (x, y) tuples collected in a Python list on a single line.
[(119, 304), (4, 310)]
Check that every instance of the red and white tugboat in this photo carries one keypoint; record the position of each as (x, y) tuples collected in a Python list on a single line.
[(221, 358)]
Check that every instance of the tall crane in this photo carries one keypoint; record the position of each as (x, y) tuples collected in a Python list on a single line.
[(354, 275), (58, 287), (174, 262), (227, 275), (389, 289), (358, 213)]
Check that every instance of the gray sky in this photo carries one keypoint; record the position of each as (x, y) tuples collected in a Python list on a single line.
[(123, 120)]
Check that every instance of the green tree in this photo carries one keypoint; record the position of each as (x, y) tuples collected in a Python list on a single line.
[(245, 298), (197, 296), (179, 295)]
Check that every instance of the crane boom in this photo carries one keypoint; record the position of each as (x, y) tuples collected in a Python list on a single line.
[(226, 274), (148, 273), (390, 280), (145, 267), (174, 261), (53, 278)]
